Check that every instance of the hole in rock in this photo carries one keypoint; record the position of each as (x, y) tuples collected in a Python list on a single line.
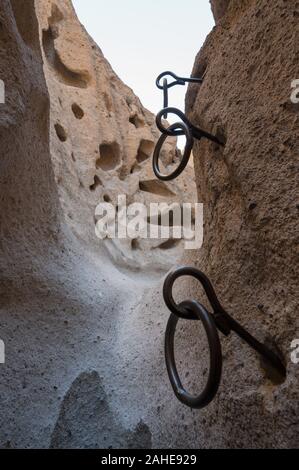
[(135, 168), (168, 219), (109, 156), (129, 101), (145, 150), (106, 198), (97, 182), (194, 88), (61, 132), (136, 121), (200, 69), (78, 111), (155, 187)]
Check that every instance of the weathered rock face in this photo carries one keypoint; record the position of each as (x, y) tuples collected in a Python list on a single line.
[(101, 138), (24, 121), (248, 189)]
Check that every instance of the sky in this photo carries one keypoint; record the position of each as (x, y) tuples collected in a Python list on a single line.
[(142, 38)]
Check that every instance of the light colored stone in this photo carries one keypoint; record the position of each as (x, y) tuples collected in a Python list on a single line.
[(67, 300)]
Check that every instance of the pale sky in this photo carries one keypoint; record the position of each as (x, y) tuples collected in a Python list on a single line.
[(142, 38)]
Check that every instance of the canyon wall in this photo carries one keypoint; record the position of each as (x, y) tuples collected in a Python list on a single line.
[(101, 138)]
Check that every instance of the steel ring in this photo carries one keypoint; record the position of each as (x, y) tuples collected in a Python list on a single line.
[(186, 155), (215, 369)]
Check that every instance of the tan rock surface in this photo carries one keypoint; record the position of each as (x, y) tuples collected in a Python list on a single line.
[(219, 8)]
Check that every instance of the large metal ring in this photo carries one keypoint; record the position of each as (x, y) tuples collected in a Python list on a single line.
[(215, 369), (186, 155)]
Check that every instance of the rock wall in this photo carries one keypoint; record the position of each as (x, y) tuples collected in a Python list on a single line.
[(250, 196)]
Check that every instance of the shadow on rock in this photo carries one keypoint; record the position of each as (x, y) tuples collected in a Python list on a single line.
[(86, 421)]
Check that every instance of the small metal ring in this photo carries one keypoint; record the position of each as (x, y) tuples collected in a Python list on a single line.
[(186, 156), (215, 370), (202, 278)]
